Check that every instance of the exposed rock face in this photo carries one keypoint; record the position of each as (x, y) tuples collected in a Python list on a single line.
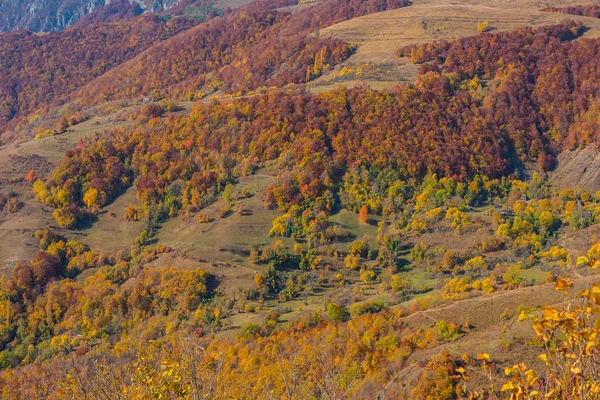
[(55, 15), (579, 168)]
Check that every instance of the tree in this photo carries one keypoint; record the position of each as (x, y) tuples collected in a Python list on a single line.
[(90, 198), (45, 266), (62, 124), (65, 217), (437, 381), (337, 313), (483, 26), (352, 261), (568, 336), (228, 194), (30, 176), (476, 266), (363, 215), (367, 276), (358, 247)]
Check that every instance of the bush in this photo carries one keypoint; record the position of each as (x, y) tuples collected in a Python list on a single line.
[(446, 332), (251, 329), (367, 276), (224, 212), (65, 218), (336, 312), (398, 284), (203, 218), (476, 266), (352, 262), (366, 308), (151, 110), (358, 247)]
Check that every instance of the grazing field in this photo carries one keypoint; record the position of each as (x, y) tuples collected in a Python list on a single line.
[(378, 36), (111, 232), (228, 238), (389, 241), (42, 155)]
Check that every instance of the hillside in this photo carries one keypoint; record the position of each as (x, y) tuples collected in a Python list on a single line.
[(379, 35), (40, 69), (56, 15), (331, 199)]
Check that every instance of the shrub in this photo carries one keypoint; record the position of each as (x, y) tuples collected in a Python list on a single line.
[(358, 247), (398, 284), (336, 312), (65, 218), (367, 276), (446, 332), (224, 212), (352, 262), (487, 286), (476, 266), (366, 308), (203, 218), (251, 329)]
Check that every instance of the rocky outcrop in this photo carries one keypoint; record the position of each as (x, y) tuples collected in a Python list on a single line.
[(55, 15)]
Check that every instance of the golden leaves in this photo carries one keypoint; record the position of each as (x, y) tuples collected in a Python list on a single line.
[(462, 373), (582, 260), (563, 283)]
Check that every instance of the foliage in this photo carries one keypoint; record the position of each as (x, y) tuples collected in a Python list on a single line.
[(251, 48), (569, 337), (336, 312), (588, 10), (38, 69), (483, 26), (445, 331), (363, 215)]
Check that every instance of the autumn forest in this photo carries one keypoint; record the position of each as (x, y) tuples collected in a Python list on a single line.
[(261, 200)]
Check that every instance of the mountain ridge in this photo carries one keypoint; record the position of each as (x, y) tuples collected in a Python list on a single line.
[(56, 15)]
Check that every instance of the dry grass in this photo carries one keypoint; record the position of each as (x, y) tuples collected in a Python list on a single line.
[(224, 239), (17, 230), (231, 3), (231, 277), (378, 36), (581, 166), (501, 336), (111, 232)]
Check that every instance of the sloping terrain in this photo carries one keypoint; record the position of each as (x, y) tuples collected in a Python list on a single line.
[(56, 15), (578, 168), (267, 242), (40, 69), (42, 156), (378, 36)]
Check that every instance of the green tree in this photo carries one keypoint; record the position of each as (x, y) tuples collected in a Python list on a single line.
[(336, 312)]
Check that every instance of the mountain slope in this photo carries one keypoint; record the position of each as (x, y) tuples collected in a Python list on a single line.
[(56, 15), (38, 69), (269, 242), (252, 47)]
